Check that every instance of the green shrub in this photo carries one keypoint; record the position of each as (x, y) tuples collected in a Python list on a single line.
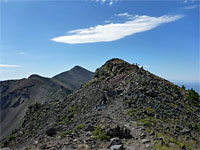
[(183, 87), (72, 109), (80, 126), (160, 147), (10, 137), (66, 132), (193, 97), (103, 137), (146, 122), (97, 130), (130, 112), (99, 134), (197, 127), (176, 89)]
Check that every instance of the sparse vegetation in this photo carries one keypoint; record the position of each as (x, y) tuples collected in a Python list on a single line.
[(193, 97), (66, 132), (197, 127), (130, 112), (99, 134), (160, 147), (183, 87), (72, 109), (146, 122), (80, 126), (10, 137), (176, 89)]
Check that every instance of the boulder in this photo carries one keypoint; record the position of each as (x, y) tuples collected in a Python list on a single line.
[(115, 144), (115, 141), (116, 147), (82, 147), (51, 132), (89, 128), (120, 132), (145, 141)]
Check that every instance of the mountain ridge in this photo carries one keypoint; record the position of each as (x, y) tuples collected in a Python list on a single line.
[(123, 103), (17, 95)]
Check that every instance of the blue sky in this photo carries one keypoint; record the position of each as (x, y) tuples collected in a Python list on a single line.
[(49, 37)]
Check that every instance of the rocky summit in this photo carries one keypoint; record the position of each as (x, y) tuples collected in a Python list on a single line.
[(122, 107)]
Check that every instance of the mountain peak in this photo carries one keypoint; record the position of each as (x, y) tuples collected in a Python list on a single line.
[(34, 76), (115, 61), (77, 67), (113, 67), (75, 77)]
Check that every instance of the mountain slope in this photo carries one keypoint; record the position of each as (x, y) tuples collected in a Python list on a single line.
[(75, 77), (122, 100), (18, 95)]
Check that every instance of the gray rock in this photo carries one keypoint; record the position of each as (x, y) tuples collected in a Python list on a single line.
[(82, 147), (43, 146), (51, 132), (145, 141), (115, 144), (151, 133), (115, 141), (116, 147), (143, 135), (121, 132), (148, 146), (130, 148)]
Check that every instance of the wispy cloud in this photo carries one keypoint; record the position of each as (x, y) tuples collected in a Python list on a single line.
[(112, 2), (9, 66), (191, 7), (146, 66), (189, 1), (107, 21), (21, 53), (109, 2), (115, 31), (124, 15)]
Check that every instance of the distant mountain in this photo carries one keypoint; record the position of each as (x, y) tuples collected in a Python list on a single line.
[(75, 77), (122, 107), (18, 95)]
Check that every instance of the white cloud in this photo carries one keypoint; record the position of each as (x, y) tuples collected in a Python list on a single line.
[(146, 66), (107, 21), (189, 1), (110, 2), (124, 15), (21, 53), (191, 7), (114, 31), (9, 66)]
